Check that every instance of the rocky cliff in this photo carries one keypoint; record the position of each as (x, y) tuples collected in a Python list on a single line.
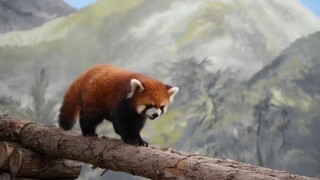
[(18, 15)]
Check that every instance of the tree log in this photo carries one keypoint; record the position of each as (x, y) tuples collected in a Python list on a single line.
[(25, 163), (152, 162), (6, 149), (10, 130)]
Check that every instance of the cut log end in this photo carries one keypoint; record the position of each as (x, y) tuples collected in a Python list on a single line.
[(15, 162), (6, 149), (26, 163), (3, 154)]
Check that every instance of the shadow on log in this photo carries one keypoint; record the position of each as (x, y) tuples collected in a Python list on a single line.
[(7, 176), (152, 162)]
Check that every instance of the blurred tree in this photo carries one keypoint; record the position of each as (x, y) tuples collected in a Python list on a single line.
[(276, 130), (205, 92), (216, 108), (41, 109)]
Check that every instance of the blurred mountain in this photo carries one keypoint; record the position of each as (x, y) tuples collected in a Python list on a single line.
[(294, 73), (242, 34), (18, 15), (293, 81), (297, 62), (272, 120)]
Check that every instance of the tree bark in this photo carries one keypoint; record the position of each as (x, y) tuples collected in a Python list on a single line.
[(152, 162), (25, 163), (10, 130), (6, 149)]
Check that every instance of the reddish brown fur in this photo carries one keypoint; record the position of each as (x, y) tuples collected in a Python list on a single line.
[(103, 86)]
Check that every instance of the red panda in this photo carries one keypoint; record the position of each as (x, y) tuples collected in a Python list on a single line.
[(122, 97)]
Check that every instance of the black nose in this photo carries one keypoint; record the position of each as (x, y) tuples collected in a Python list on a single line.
[(155, 115)]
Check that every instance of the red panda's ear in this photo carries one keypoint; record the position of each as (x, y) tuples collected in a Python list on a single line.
[(135, 86), (172, 92)]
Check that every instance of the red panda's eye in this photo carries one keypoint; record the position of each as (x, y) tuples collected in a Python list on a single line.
[(161, 107), (149, 106)]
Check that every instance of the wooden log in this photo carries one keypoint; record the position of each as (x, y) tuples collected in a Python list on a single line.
[(152, 162), (25, 163), (6, 149), (10, 129)]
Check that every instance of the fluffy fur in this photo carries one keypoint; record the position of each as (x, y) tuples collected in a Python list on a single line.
[(124, 98)]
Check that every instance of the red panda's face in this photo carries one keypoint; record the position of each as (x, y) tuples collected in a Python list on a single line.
[(151, 98)]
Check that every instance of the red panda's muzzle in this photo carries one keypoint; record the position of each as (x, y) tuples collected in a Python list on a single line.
[(153, 113)]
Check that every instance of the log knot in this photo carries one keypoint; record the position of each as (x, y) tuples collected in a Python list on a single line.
[(231, 176)]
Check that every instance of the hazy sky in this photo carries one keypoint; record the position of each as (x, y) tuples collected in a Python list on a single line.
[(78, 4), (313, 5)]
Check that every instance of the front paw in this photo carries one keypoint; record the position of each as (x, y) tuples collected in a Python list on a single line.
[(90, 134), (136, 142), (143, 143)]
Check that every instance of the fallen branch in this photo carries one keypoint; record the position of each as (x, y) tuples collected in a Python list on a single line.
[(152, 162)]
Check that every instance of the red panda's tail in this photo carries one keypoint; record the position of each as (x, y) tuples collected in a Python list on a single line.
[(70, 108)]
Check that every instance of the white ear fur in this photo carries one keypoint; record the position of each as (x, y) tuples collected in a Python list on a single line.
[(172, 92), (135, 85)]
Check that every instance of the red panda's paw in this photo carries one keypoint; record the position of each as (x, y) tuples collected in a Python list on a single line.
[(136, 142), (90, 135), (143, 143)]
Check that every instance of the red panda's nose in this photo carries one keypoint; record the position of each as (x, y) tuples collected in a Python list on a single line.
[(154, 115)]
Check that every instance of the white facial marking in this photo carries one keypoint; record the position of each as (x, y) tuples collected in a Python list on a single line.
[(172, 92), (153, 111), (165, 109), (135, 85), (141, 108)]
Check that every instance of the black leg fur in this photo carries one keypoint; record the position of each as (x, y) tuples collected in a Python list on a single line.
[(128, 124), (88, 124), (129, 133)]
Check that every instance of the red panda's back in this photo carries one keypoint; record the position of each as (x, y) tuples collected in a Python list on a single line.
[(103, 86)]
